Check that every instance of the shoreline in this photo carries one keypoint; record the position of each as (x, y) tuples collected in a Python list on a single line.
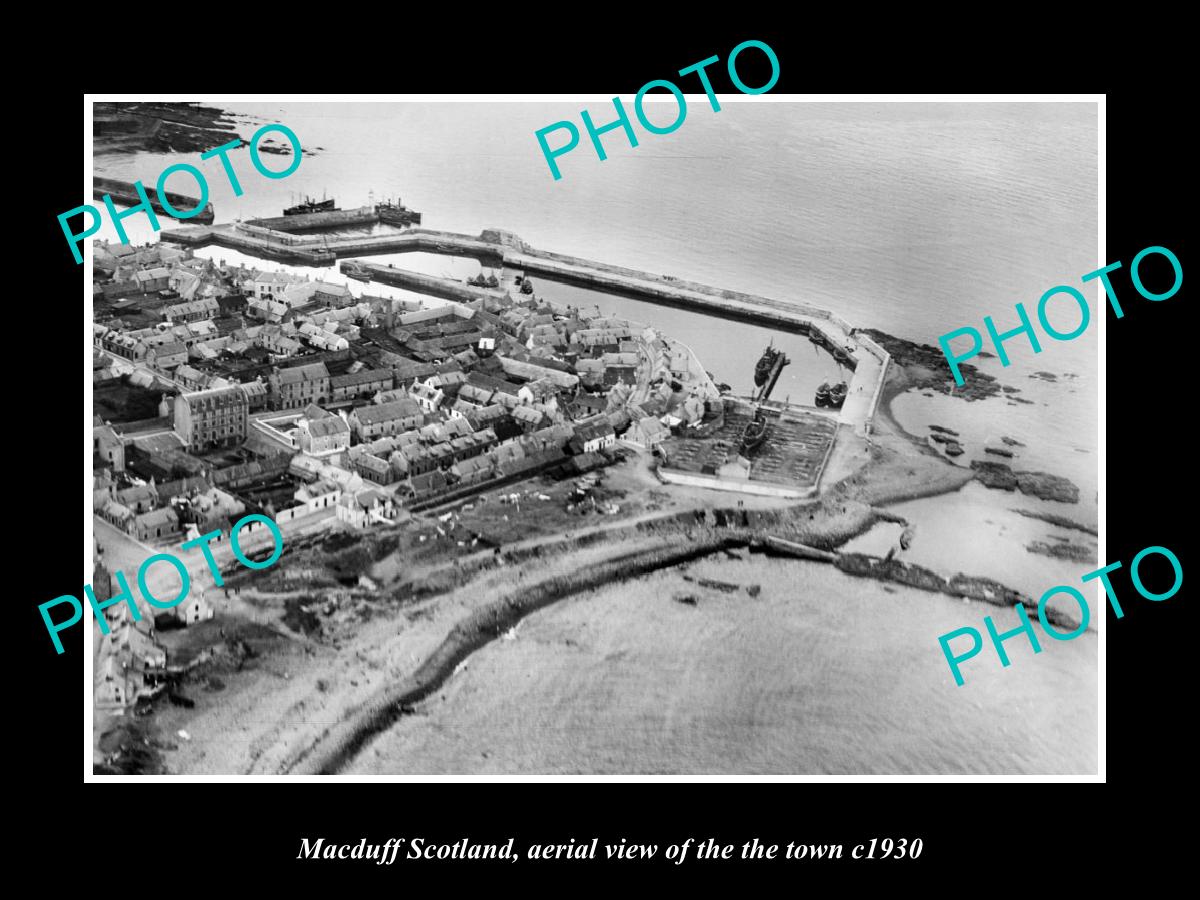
[(350, 736)]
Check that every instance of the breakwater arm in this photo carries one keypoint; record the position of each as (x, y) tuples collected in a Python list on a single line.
[(125, 193), (430, 285)]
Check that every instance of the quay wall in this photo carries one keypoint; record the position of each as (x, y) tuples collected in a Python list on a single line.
[(716, 483), (445, 288), (364, 215), (545, 261)]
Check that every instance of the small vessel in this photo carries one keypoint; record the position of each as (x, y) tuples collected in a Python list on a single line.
[(352, 269), (397, 213), (526, 286), (837, 395), (824, 394), (311, 206), (755, 433), (762, 371)]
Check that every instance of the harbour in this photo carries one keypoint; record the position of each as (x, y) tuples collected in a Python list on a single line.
[(778, 254)]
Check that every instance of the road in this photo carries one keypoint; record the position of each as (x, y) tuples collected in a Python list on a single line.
[(127, 553)]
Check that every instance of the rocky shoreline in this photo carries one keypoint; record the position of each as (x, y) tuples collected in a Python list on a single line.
[(1043, 485), (1063, 550), (927, 368), (160, 128), (984, 590)]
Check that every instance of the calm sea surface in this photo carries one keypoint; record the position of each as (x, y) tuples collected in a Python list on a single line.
[(912, 218)]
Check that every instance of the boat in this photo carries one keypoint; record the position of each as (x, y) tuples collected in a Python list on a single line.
[(837, 394), (755, 433), (352, 269), (824, 395), (310, 206), (396, 213), (762, 371)]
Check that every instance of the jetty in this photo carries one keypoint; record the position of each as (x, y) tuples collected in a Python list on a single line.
[(124, 193)]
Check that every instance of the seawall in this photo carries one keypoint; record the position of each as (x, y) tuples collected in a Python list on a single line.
[(334, 219), (445, 288), (125, 193)]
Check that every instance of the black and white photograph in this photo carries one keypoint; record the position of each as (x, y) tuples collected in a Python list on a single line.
[(504, 436)]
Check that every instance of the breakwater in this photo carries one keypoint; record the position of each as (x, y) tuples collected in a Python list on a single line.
[(430, 285), (125, 193), (311, 221)]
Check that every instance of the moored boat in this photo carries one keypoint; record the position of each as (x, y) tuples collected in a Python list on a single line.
[(755, 433), (311, 206), (824, 394), (397, 213), (762, 370), (351, 269), (837, 394)]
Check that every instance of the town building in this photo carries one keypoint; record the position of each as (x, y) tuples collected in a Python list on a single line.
[(156, 525), (428, 396), (194, 608), (168, 356), (362, 384), (212, 418), (298, 386), (364, 507), (382, 419), (323, 436), (194, 311), (593, 436)]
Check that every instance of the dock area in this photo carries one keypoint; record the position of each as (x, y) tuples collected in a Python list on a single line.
[(498, 248), (789, 464)]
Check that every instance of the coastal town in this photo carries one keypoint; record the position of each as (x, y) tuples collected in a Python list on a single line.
[(221, 390), (478, 445)]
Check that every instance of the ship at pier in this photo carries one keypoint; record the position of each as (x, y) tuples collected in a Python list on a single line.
[(833, 396), (352, 269), (311, 206), (762, 371), (397, 213)]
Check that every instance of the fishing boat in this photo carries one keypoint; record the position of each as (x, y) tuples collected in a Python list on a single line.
[(351, 269), (755, 433), (396, 213), (311, 206), (762, 370), (824, 394), (837, 395)]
